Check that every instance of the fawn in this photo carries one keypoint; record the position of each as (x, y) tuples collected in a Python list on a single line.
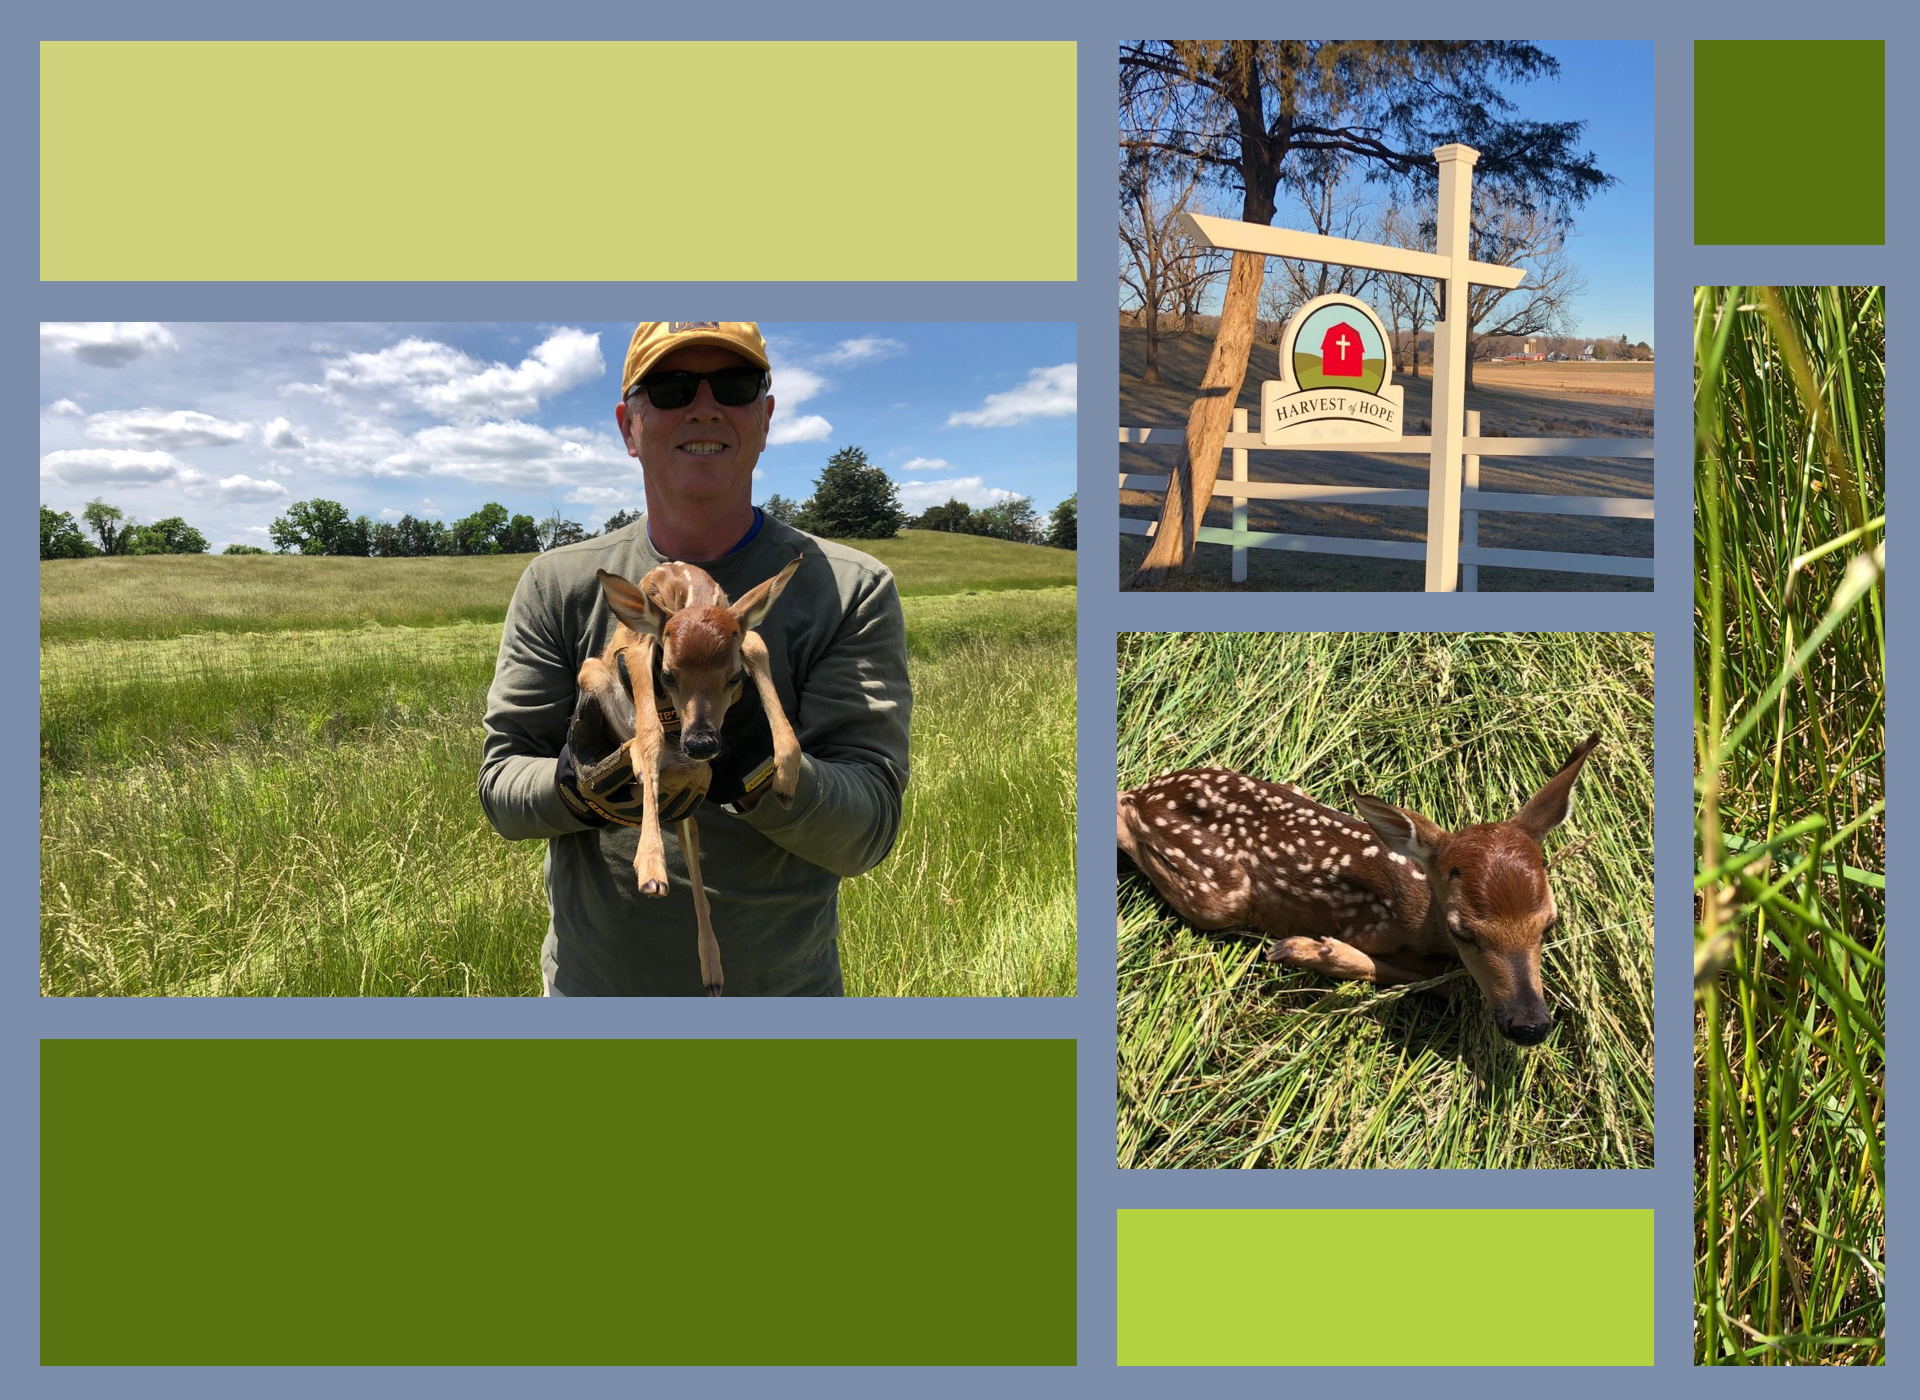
[(1390, 898), (705, 650)]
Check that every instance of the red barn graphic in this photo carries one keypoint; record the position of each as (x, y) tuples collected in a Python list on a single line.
[(1341, 353)]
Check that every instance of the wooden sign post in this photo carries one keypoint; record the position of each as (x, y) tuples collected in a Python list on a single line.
[(1453, 268)]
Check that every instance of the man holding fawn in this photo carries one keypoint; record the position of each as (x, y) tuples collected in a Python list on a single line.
[(695, 408)]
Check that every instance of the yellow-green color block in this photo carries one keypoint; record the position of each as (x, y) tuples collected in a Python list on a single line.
[(312, 161), (1386, 1288), (556, 1202)]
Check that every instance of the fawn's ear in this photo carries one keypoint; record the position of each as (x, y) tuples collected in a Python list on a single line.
[(1549, 806), (632, 605), (752, 609), (1407, 833)]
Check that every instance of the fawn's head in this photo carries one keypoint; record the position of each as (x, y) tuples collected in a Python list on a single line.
[(1488, 892), (700, 668)]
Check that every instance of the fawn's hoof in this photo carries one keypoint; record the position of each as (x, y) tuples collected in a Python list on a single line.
[(713, 989), (653, 888)]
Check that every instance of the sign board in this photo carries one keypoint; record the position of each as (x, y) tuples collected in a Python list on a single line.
[(1336, 378)]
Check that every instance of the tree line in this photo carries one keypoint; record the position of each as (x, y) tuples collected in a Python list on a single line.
[(852, 499)]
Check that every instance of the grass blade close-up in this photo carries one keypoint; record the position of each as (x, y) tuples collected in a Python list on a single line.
[(1226, 1060), (1790, 784)]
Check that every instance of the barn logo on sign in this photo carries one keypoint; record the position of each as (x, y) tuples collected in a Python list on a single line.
[(1336, 378)]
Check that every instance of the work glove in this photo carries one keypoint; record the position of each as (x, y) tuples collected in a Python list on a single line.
[(743, 773), (595, 774)]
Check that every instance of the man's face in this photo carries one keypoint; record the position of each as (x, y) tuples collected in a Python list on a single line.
[(705, 451)]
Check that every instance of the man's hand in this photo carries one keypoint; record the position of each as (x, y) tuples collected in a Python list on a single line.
[(595, 771), (743, 773)]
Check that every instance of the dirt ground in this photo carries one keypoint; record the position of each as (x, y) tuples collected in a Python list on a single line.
[(1515, 400)]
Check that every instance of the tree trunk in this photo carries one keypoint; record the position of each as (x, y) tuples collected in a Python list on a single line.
[(1191, 488), (1150, 318)]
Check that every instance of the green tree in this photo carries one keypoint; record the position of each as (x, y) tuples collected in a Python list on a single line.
[(170, 536), (557, 530), (385, 543), (318, 526), (619, 520), (480, 533), (1013, 519), (953, 518), (1238, 109), (852, 500), (1063, 531), (780, 508), (104, 520), (521, 536), (419, 538), (60, 536), (1600, 350), (243, 549)]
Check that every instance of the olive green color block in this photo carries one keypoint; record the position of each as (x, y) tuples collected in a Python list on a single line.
[(556, 1202), (1790, 141), (1386, 1288)]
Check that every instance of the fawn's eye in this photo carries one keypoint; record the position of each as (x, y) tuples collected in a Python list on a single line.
[(667, 678)]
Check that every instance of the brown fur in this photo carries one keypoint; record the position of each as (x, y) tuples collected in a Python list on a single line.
[(705, 648), (1387, 897)]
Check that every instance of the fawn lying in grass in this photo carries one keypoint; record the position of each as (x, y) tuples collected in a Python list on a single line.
[(1388, 898), (678, 629)]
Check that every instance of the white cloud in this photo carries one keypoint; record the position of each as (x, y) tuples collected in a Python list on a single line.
[(854, 352), (564, 360), (809, 427), (450, 383), (152, 427), (245, 488), (66, 408), (107, 343), (90, 466), (923, 465), (972, 490), (280, 436), (599, 495), (389, 513), (1047, 393), (516, 455), (793, 386)]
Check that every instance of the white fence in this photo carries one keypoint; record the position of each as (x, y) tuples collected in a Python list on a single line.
[(1473, 500)]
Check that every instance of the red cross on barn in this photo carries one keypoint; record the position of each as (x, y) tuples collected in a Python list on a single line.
[(1340, 352)]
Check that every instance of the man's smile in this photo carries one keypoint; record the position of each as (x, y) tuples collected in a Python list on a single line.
[(704, 447)]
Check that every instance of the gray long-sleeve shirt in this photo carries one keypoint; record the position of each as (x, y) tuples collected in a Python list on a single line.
[(837, 642)]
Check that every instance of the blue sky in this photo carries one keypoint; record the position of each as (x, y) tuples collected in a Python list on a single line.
[(227, 424)]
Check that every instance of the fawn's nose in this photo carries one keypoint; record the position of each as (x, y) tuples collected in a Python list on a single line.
[(1527, 1032), (701, 744)]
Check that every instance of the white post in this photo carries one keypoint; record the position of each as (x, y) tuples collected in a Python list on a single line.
[(1240, 502), (1470, 519), (1449, 369)]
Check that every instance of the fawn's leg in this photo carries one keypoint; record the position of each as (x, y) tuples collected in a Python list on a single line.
[(689, 832), (650, 858), (1345, 963), (786, 748)]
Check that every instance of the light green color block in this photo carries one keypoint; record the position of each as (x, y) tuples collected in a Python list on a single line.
[(1385, 1288)]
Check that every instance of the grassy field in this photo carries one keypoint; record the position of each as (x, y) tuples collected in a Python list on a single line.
[(1511, 404), (292, 810), (274, 592), (1790, 982), (1229, 1061)]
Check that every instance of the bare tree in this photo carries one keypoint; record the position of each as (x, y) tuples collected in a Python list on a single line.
[(1240, 107), (1335, 206), (1161, 266), (1512, 234), (1400, 297)]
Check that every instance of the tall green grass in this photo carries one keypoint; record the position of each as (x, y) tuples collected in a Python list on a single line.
[(1228, 1061), (294, 813), (1790, 719)]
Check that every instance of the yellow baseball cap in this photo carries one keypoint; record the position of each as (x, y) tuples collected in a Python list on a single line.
[(654, 339)]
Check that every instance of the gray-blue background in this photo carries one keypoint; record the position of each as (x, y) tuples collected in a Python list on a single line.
[(1666, 1188)]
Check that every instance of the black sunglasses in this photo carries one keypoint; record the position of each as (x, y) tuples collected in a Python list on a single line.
[(733, 386)]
